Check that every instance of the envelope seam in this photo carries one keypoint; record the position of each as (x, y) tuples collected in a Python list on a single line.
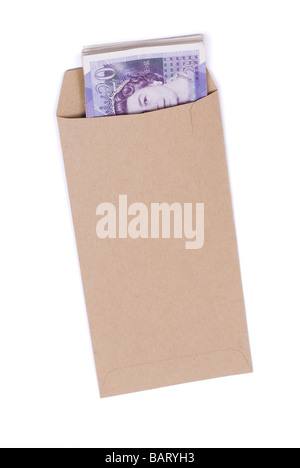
[(175, 359)]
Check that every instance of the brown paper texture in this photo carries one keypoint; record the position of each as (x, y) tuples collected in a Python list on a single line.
[(159, 314)]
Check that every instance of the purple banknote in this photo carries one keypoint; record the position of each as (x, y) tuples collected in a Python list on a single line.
[(136, 80)]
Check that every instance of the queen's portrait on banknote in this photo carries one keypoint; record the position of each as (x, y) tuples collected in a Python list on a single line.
[(150, 92)]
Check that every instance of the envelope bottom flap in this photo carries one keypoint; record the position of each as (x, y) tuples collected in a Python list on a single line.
[(205, 366)]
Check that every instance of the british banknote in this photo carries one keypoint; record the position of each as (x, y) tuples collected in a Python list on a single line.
[(141, 77)]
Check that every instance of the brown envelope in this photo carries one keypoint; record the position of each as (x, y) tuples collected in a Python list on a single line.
[(159, 314)]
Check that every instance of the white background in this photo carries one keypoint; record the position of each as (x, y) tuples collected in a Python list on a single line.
[(48, 388)]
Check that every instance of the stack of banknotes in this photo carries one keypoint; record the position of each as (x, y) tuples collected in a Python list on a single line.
[(136, 77)]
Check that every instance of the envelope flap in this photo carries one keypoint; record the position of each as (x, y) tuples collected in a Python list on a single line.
[(72, 98), (163, 374)]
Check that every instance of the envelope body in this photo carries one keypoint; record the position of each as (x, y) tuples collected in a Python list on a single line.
[(159, 313)]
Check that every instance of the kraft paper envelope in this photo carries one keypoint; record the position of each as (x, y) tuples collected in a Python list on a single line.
[(160, 313)]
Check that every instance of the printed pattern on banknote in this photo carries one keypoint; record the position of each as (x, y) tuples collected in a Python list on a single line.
[(142, 83)]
